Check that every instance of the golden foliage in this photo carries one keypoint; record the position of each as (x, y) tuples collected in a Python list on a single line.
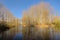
[(38, 14)]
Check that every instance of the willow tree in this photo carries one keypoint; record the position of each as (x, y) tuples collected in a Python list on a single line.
[(25, 19), (38, 14), (42, 13), (7, 16)]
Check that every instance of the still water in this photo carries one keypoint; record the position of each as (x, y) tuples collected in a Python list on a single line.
[(17, 34), (53, 34)]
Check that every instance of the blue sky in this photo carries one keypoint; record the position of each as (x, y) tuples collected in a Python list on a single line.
[(17, 6)]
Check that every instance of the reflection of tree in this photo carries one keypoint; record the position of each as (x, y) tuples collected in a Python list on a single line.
[(36, 15), (3, 26)]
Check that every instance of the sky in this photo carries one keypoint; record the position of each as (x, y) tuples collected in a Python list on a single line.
[(16, 7)]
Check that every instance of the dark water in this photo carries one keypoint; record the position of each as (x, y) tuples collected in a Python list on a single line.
[(19, 36), (57, 35), (52, 34)]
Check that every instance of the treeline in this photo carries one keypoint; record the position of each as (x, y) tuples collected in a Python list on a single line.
[(4, 26)]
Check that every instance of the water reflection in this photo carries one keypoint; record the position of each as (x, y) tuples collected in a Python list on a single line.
[(18, 36), (44, 34), (57, 35)]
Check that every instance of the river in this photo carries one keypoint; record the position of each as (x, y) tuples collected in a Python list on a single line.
[(16, 34)]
